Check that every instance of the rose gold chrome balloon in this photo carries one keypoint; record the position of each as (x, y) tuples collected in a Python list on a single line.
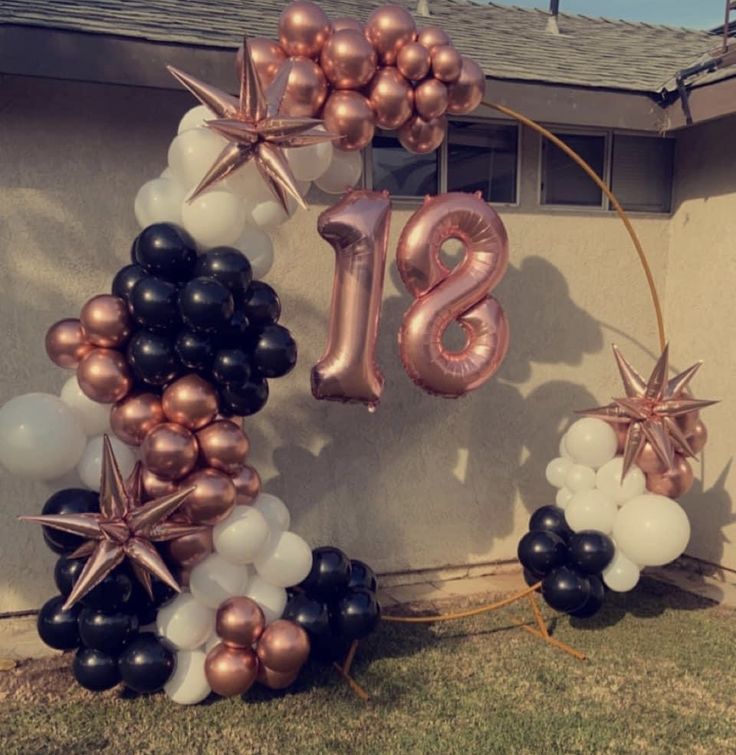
[(211, 500), (413, 61), (230, 671), (648, 460), (419, 136), (303, 28), (348, 60), (66, 343), (184, 575), (348, 113), (169, 451), (620, 431), (674, 483), (389, 28), (104, 376), (247, 485), (430, 99), (267, 58), (306, 89), (357, 228), (466, 93), (155, 486), (447, 63), (432, 36), (283, 647), (239, 622), (275, 679), (224, 446), (105, 321), (187, 551), (461, 295), (391, 97), (135, 416), (190, 401), (698, 437), (345, 22)]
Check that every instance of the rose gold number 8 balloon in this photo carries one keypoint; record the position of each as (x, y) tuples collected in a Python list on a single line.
[(444, 295)]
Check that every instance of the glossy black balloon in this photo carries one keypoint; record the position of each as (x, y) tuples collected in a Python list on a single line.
[(231, 366), (530, 577), (274, 351), (329, 576), (195, 349), (565, 589), (146, 664), (260, 303), (68, 501), (146, 607), (552, 519), (94, 670), (111, 593), (56, 627), (107, 631), (227, 266), (206, 304), (356, 614), (165, 250), (237, 334), (361, 575), (244, 399), (591, 551), (154, 304), (541, 551), (125, 279), (312, 615), (66, 574), (153, 358), (594, 602)]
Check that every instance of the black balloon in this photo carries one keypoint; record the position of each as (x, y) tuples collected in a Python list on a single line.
[(68, 501), (565, 589), (195, 349), (154, 304), (56, 627), (244, 399), (205, 304), (125, 279), (274, 352), (153, 358), (107, 631), (231, 366), (330, 574), (530, 577), (111, 593), (146, 607), (541, 551), (591, 551), (227, 266), (94, 670), (261, 304), (146, 664), (237, 333), (552, 519), (361, 575), (312, 615), (66, 574), (356, 614), (594, 602), (165, 250)]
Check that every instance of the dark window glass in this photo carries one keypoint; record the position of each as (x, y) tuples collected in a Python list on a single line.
[(641, 173), (403, 174), (563, 182)]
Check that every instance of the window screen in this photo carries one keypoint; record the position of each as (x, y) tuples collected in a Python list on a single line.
[(641, 173), (563, 182), (402, 173)]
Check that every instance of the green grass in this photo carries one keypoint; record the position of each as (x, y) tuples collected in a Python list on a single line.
[(660, 678)]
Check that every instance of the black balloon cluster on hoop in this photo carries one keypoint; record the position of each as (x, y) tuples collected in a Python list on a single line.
[(569, 564), (336, 603), (202, 314)]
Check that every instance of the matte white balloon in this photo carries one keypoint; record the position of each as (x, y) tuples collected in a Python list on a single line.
[(563, 497), (591, 441), (309, 163), (216, 218), (242, 535), (286, 560), (195, 118), (343, 173), (215, 579), (651, 530), (270, 598), (188, 684), (257, 246), (556, 472), (90, 465), (562, 449), (159, 201), (93, 416), (247, 183), (185, 622), (192, 153), (274, 511), (40, 437), (608, 479), (213, 641), (622, 574), (591, 510), (580, 477), (266, 214)]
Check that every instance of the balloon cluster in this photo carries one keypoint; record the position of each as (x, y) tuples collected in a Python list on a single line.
[(336, 603)]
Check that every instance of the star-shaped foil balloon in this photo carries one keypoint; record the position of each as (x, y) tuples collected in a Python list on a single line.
[(650, 409), (255, 129), (123, 528)]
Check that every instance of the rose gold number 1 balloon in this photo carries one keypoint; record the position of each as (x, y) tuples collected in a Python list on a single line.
[(357, 228)]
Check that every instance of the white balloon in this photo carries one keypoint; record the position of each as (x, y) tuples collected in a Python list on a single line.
[(285, 561), (257, 246), (185, 622), (651, 530), (344, 172), (93, 416), (188, 684), (213, 641), (591, 510), (215, 578), (557, 470), (309, 163), (247, 183), (216, 218), (159, 201), (608, 480), (563, 497), (562, 448), (167, 173), (192, 153), (90, 465), (195, 118), (241, 536), (267, 214), (270, 598), (580, 478), (622, 574), (40, 437), (274, 511), (591, 441)]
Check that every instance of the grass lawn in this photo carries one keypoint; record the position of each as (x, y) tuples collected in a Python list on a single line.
[(660, 678)]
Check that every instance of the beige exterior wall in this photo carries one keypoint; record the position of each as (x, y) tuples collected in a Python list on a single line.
[(423, 483)]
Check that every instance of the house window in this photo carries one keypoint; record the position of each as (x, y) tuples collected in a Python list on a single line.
[(399, 171), (641, 172), (563, 183)]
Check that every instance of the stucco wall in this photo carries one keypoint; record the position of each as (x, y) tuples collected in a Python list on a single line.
[(422, 483)]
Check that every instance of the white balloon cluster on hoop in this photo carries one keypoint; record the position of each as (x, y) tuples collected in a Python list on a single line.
[(240, 211), (647, 529), (255, 556)]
